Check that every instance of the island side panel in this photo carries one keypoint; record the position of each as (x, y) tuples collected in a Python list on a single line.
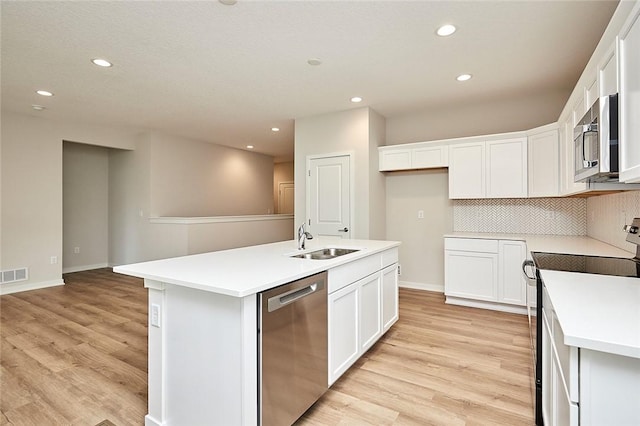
[(155, 393), (208, 358)]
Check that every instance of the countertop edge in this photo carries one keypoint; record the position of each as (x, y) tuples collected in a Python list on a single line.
[(322, 265)]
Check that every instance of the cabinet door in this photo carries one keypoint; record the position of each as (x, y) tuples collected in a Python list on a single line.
[(394, 159), (629, 99), (608, 72), (568, 185), (389, 296), (543, 164), (430, 157), (467, 170), (512, 286), (370, 319), (472, 275), (506, 165), (343, 313), (591, 93)]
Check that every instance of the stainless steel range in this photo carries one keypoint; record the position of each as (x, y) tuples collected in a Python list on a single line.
[(623, 267)]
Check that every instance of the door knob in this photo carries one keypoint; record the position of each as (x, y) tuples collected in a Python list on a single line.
[(345, 229)]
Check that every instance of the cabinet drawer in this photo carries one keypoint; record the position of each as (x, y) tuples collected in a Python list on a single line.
[(348, 273), (471, 244)]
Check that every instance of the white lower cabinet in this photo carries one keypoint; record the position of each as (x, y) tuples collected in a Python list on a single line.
[(360, 312), (343, 330), (582, 386), (370, 319), (389, 296), (485, 273)]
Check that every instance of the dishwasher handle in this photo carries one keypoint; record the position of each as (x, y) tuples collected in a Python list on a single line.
[(283, 299)]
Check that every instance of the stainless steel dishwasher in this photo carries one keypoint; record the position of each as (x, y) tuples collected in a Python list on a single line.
[(292, 345)]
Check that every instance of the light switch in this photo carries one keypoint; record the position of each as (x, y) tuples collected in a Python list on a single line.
[(420, 214), (155, 315)]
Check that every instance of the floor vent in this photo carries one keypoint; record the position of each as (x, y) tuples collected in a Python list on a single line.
[(14, 275)]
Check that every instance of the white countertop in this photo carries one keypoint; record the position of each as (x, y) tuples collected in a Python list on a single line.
[(249, 270), (570, 244), (598, 312)]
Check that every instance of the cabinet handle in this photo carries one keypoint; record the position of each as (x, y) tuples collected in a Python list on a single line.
[(526, 263)]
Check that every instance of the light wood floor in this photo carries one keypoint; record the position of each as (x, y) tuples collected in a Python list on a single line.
[(76, 355)]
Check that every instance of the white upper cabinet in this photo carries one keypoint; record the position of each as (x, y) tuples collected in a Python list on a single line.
[(629, 98), (394, 159), (429, 157), (568, 186), (506, 174), (608, 72), (543, 164), (467, 170), (488, 169), (413, 156), (591, 93)]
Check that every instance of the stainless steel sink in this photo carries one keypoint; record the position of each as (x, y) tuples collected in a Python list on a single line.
[(328, 253)]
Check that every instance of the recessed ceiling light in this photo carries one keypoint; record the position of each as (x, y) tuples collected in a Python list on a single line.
[(228, 2), (44, 93), (314, 61), (446, 30), (102, 63), (249, 146), (275, 129), (38, 107), (463, 77), (356, 99)]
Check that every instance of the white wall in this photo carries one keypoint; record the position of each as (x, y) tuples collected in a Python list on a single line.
[(422, 249), (172, 176), (195, 178), (32, 193), (503, 114), (345, 131), (282, 172), (32, 189), (85, 200), (377, 185)]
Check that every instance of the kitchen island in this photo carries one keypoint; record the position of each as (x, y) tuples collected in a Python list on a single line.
[(590, 349), (203, 314)]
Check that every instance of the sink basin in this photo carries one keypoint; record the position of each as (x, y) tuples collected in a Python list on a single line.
[(328, 253)]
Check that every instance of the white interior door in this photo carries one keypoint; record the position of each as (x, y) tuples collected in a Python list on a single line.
[(286, 191), (329, 202)]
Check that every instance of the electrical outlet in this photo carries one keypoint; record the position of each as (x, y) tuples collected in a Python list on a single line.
[(54, 260), (420, 214), (76, 250), (155, 315)]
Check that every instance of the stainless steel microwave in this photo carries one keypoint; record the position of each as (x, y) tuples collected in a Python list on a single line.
[(595, 139)]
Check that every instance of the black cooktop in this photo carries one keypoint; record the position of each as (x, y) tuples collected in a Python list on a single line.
[(618, 266)]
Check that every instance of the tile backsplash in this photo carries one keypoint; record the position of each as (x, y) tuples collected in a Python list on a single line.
[(556, 216), (607, 214)]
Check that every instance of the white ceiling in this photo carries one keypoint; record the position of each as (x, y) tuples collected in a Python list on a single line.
[(227, 74)]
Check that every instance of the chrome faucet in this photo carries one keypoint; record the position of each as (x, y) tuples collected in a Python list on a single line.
[(303, 236)]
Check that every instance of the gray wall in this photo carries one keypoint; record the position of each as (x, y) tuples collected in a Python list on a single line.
[(85, 201)]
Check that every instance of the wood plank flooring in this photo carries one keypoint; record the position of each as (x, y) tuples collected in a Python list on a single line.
[(76, 355), (438, 365)]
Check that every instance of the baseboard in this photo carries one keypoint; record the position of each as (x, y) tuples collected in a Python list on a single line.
[(150, 421), (514, 309), (84, 268), (9, 288), (422, 286)]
